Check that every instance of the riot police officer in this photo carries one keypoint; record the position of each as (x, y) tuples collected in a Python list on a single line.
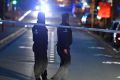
[(40, 45)]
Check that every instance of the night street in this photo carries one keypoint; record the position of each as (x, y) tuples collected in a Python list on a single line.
[(89, 58)]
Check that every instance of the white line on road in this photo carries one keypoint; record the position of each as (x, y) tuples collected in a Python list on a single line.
[(97, 47), (103, 55), (25, 47), (52, 55), (52, 43), (51, 61), (110, 62), (118, 77)]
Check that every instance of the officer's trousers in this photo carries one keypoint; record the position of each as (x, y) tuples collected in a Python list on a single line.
[(41, 62), (62, 72)]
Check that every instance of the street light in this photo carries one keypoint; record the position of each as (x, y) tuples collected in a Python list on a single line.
[(14, 2)]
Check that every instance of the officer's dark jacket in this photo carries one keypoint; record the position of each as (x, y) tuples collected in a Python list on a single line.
[(40, 36), (64, 36)]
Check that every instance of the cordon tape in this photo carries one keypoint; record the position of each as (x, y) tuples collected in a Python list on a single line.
[(73, 27)]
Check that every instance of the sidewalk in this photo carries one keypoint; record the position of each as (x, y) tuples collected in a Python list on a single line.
[(10, 32)]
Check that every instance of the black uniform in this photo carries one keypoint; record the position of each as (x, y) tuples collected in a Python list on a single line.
[(63, 48), (40, 45), (64, 42), (40, 38)]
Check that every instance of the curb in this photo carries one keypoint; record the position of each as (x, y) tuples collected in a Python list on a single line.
[(107, 46), (14, 35), (11, 37)]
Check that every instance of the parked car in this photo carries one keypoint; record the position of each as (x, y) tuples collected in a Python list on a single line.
[(110, 36), (114, 25), (116, 37)]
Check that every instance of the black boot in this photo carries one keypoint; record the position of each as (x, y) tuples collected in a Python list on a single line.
[(44, 75), (44, 78), (37, 79)]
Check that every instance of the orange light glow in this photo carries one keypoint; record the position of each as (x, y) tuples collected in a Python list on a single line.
[(60, 0), (105, 10)]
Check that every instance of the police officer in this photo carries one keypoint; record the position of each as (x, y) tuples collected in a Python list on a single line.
[(63, 48), (40, 38)]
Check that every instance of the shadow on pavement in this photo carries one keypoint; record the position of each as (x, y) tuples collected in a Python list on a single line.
[(13, 75)]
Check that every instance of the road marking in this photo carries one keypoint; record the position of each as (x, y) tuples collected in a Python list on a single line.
[(30, 37), (52, 57), (51, 61), (52, 43), (103, 55), (118, 77), (98, 47), (25, 47), (52, 53), (110, 62)]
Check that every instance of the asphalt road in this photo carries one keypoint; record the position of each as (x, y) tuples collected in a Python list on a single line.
[(90, 60)]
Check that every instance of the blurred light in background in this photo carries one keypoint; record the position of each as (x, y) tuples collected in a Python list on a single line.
[(98, 17), (84, 18), (37, 7), (14, 2), (119, 38), (44, 7), (85, 5), (0, 22), (61, 5), (98, 7), (60, 0), (21, 18), (35, 13)]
